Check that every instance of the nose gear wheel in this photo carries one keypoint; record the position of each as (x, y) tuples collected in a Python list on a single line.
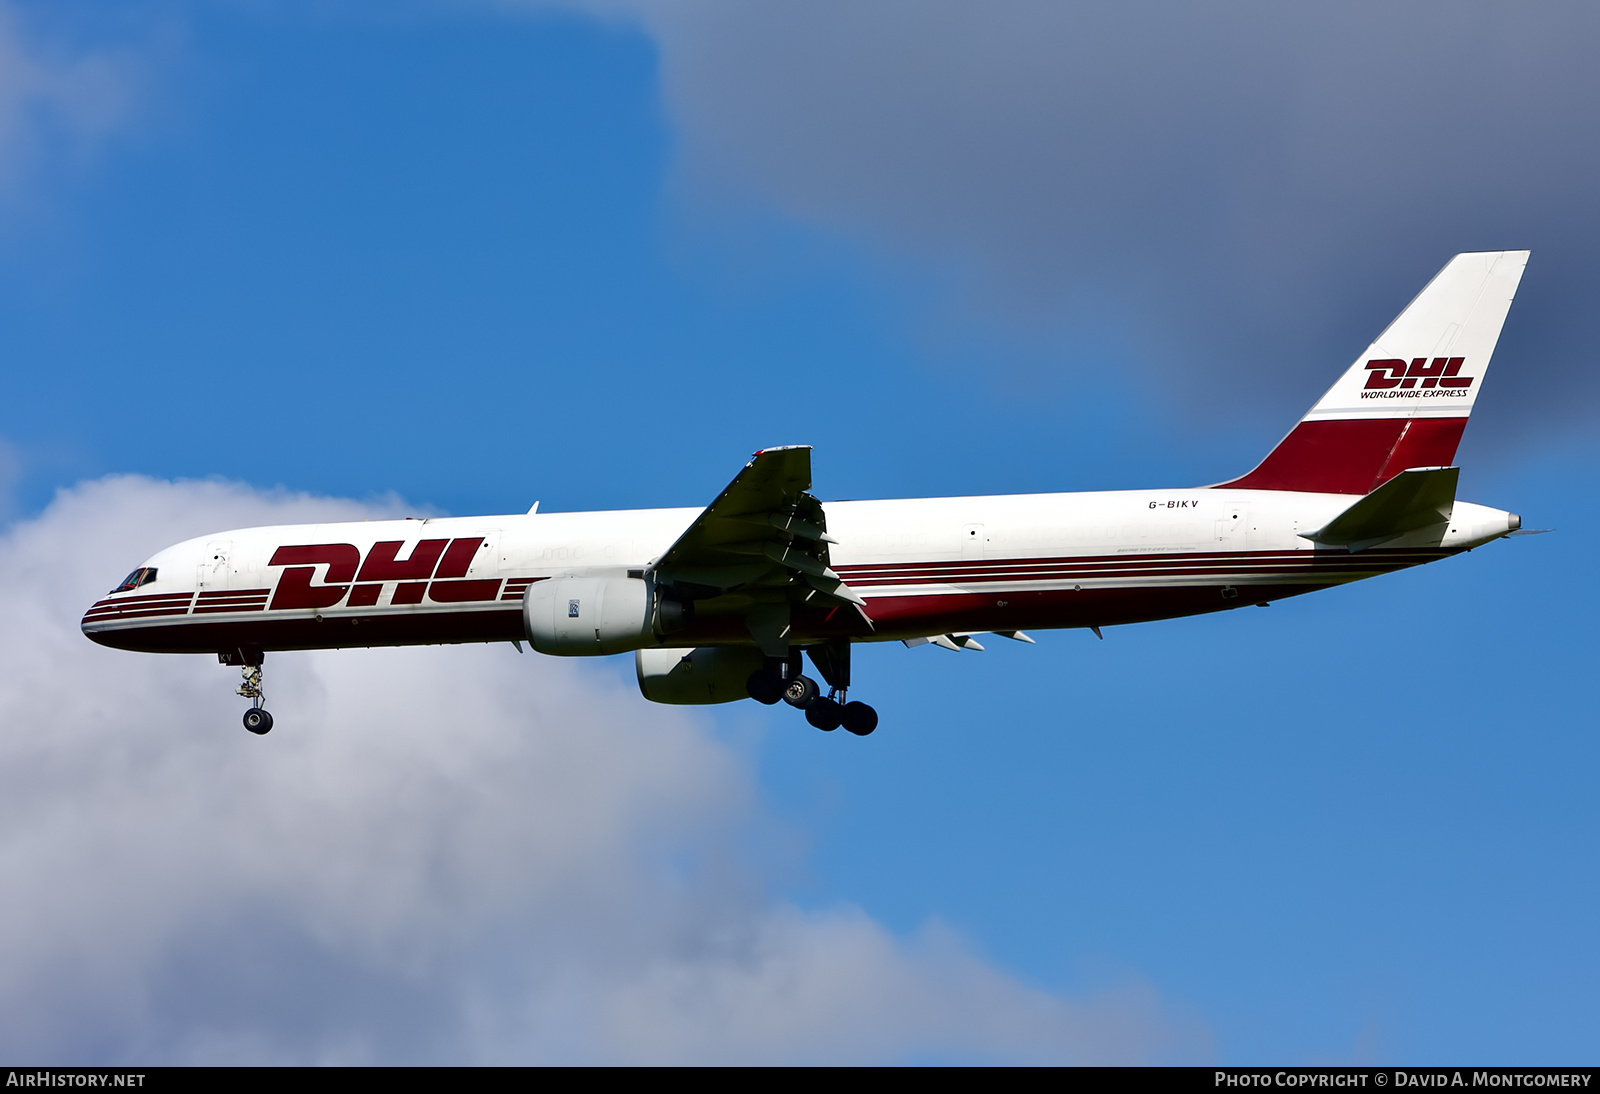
[(256, 719)]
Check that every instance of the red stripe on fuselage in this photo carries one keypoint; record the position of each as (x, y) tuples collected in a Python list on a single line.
[(135, 607), (123, 601), (329, 632), (135, 613), (974, 571), (242, 600)]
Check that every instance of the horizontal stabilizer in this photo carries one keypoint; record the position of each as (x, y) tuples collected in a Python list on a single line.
[(1419, 498)]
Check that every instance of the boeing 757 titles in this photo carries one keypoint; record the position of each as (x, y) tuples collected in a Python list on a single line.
[(719, 604)]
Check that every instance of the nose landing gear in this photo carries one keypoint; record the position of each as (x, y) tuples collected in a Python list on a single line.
[(256, 719)]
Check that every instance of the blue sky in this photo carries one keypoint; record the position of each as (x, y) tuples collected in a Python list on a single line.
[(461, 258)]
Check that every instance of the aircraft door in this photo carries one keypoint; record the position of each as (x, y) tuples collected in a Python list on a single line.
[(973, 541), (1233, 528), (475, 557), (216, 566), (490, 561)]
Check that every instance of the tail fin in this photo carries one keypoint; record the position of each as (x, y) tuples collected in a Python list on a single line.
[(1405, 402)]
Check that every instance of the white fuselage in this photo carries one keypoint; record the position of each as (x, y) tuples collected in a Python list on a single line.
[(922, 566)]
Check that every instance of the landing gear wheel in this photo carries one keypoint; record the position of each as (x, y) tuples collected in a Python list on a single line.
[(256, 719), (859, 718), (801, 692), (825, 714), (765, 686)]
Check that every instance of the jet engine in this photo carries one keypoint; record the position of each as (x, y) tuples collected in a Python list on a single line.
[(577, 616), (711, 674)]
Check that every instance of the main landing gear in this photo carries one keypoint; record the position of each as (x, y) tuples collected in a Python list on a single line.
[(256, 719), (781, 679)]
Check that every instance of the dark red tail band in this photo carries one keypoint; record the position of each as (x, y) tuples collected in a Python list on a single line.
[(1354, 455)]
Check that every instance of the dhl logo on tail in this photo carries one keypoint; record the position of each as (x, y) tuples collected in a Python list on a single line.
[(1442, 373)]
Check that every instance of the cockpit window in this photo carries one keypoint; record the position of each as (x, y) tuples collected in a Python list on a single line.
[(144, 575)]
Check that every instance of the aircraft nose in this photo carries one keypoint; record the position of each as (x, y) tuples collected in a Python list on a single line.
[(93, 633), (95, 619), (122, 618)]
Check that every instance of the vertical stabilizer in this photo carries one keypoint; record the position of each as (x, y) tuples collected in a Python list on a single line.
[(1405, 401)]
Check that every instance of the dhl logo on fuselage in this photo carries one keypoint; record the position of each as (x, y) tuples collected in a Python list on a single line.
[(434, 567)]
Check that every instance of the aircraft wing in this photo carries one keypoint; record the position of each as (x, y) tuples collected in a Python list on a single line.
[(764, 535)]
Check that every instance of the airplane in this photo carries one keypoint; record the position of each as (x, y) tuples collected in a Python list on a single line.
[(719, 604)]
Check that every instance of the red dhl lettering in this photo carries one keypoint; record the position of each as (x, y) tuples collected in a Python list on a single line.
[(444, 561)]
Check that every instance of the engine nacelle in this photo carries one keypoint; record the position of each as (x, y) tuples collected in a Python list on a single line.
[(711, 674), (579, 616)]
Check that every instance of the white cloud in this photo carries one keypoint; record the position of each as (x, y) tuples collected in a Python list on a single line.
[(56, 100), (1244, 191), (447, 854)]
